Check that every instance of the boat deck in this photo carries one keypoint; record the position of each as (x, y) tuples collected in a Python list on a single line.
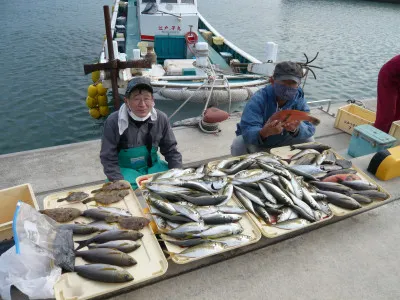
[(132, 29), (356, 258)]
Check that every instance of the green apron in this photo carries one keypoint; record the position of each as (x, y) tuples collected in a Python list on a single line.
[(133, 163)]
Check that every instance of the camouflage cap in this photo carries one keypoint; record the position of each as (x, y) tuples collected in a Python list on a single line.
[(140, 82), (288, 70)]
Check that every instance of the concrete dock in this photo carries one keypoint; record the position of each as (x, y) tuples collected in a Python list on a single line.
[(355, 258)]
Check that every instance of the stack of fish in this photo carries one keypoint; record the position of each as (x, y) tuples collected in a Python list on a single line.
[(116, 233), (190, 208), (335, 178)]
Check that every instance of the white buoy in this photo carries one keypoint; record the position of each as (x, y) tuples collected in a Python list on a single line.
[(271, 52)]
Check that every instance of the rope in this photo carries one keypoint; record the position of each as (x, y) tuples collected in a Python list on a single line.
[(186, 101), (229, 94), (357, 102), (214, 128)]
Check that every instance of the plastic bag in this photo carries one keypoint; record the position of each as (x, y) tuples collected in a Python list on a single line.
[(34, 264)]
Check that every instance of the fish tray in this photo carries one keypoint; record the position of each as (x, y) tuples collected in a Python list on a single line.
[(249, 228), (285, 153), (151, 261)]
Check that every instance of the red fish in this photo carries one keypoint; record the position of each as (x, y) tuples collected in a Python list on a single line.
[(294, 115), (341, 177)]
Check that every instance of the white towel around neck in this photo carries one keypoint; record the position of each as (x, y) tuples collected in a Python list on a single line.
[(123, 118)]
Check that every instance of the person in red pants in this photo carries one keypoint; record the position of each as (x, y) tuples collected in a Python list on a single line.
[(388, 106)]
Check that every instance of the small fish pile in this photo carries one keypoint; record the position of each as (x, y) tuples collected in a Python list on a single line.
[(190, 207), (335, 178), (113, 235)]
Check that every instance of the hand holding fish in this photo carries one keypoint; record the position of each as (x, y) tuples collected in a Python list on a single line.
[(271, 128), (291, 126)]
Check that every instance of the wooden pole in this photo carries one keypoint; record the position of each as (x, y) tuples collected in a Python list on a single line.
[(111, 58)]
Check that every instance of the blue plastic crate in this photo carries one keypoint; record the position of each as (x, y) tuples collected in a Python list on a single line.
[(367, 139)]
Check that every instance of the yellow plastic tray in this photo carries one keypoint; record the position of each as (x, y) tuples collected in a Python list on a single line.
[(285, 153), (249, 228), (151, 261)]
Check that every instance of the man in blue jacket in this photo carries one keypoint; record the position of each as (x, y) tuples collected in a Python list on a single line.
[(255, 132)]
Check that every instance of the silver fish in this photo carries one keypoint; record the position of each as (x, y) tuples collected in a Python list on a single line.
[(220, 231), (262, 213), (104, 226), (302, 173), (190, 184), (329, 168), (123, 246), (187, 211), (108, 256), (158, 187), (292, 224), (345, 164), (341, 200), (200, 169), (250, 176), (79, 228), (361, 199), (162, 205), (287, 214), (113, 235), (267, 195), (308, 198), (331, 186), (297, 189), (116, 211), (268, 160), (234, 240), (278, 193), (104, 273), (360, 185), (308, 159), (330, 157), (220, 218), (302, 209), (250, 196), (231, 209), (227, 163), (202, 250), (272, 169), (325, 207), (372, 194), (247, 203), (320, 159), (205, 200), (309, 169), (187, 230), (244, 164), (287, 186), (206, 210), (172, 224), (185, 243), (304, 152), (228, 192)]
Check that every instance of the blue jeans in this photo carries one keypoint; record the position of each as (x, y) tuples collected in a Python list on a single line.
[(239, 147)]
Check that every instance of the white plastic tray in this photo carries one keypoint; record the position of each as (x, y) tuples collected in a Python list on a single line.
[(285, 153), (249, 228), (151, 261)]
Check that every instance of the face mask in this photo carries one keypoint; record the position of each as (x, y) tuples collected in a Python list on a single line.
[(135, 117), (284, 92)]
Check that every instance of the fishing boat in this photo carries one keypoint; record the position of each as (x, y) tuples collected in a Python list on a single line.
[(191, 61)]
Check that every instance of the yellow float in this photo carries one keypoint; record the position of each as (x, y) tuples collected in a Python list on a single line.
[(92, 91), (104, 111), (100, 89), (102, 100), (95, 113)]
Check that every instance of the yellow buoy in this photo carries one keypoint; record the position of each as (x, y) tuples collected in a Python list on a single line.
[(101, 90), (102, 99), (92, 91), (95, 76), (91, 102), (104, 111), (95, 113)]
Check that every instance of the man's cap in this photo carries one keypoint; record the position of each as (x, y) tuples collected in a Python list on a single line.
[(288, 70), (138, 83)]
